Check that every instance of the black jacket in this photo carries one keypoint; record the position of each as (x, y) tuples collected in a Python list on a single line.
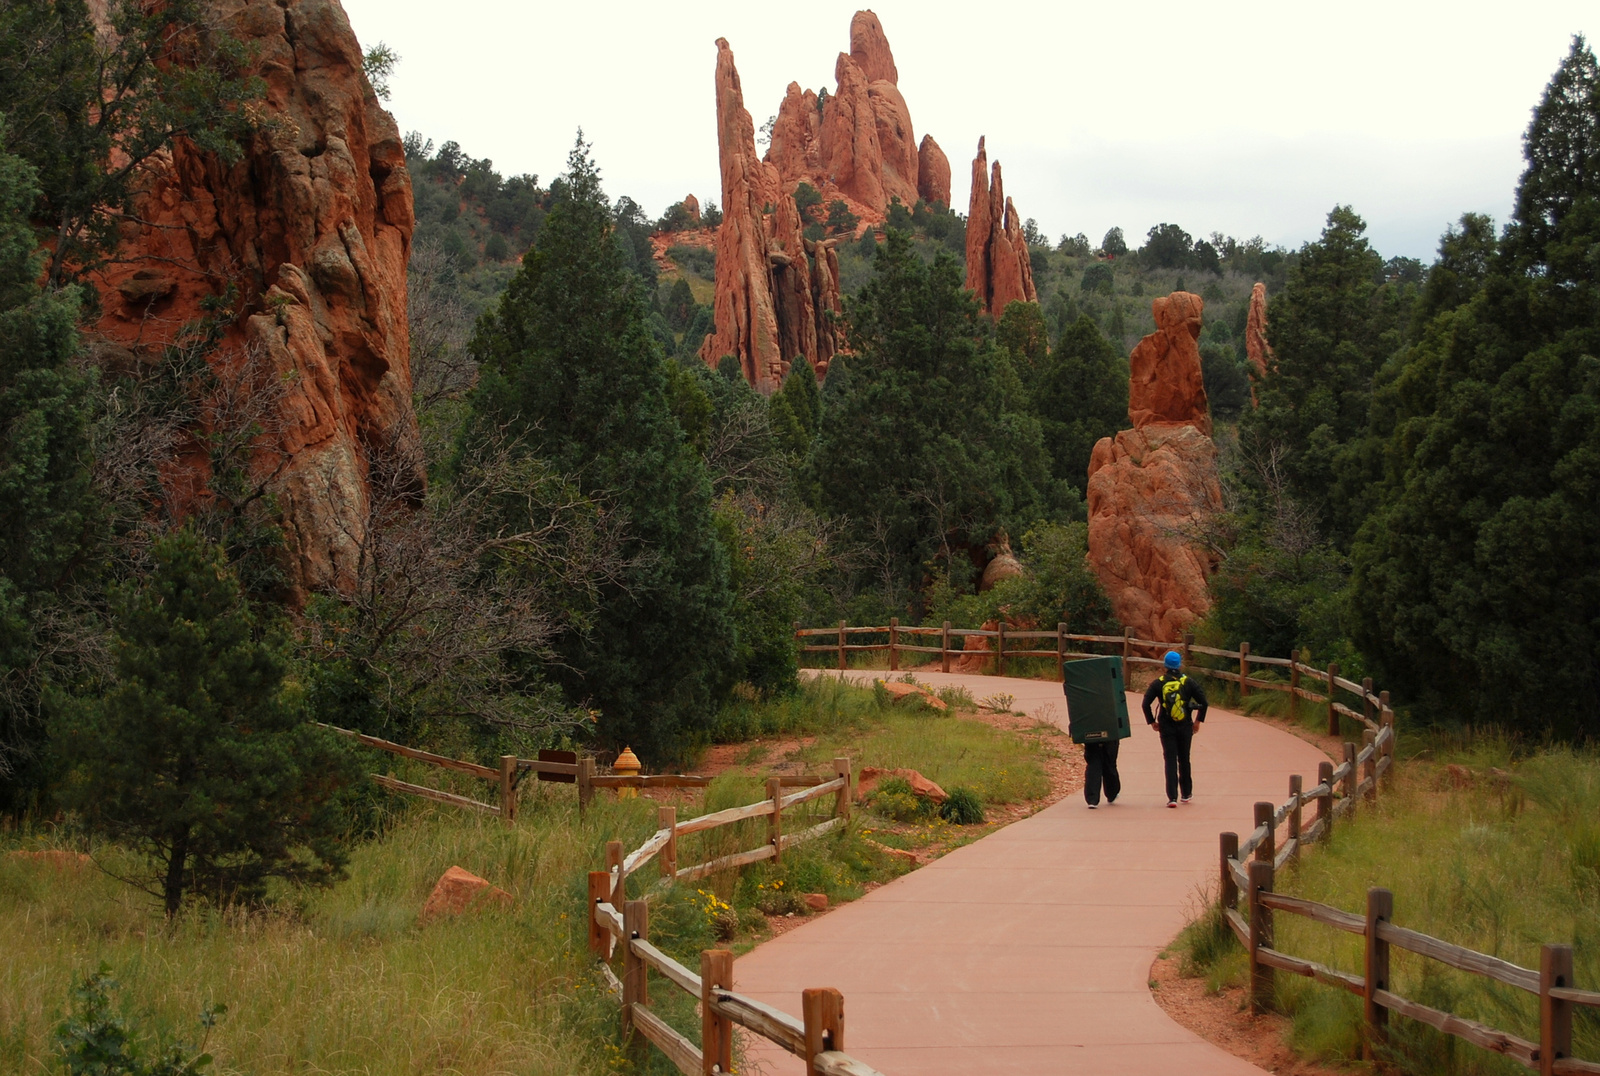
[(1194, 698)]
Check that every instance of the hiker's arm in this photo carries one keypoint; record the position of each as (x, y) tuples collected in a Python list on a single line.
[(1150, 694), (1198, 695)]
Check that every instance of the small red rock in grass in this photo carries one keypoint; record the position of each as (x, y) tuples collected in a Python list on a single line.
[(817, 902), (867, 779), (457, 891)]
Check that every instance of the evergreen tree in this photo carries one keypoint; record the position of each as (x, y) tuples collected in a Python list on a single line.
[(916, 448), (569, 364), (796, 408), (44, 479), (1332, 328), (1081, 396), (198, 756), (1476, 582)]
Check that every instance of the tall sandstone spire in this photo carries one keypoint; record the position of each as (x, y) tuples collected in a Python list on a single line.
[(998, 268), (777, 293)]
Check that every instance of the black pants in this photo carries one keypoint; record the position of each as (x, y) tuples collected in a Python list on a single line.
[(1100, 762), (1175, 739)]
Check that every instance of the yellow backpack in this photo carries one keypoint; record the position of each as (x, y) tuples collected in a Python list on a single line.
[(1172, 698)]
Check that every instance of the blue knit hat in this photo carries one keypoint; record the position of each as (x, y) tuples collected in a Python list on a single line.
[(1173, 659)]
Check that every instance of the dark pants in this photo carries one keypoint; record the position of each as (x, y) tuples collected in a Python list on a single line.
[(1100, 764), (1175, 739)]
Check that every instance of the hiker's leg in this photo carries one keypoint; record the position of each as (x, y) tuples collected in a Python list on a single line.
[(1093, 768), (1169, 755), (1113, 779), (1185, 738)]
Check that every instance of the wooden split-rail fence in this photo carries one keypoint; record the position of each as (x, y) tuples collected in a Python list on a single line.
[(1134, 651), (615, 922), (1248, 869)]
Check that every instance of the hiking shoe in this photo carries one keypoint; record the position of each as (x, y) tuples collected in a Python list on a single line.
[(1172, 803), (1093, 806), (1187, 799)]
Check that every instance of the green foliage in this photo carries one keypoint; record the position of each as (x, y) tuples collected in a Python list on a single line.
[(1332, 328), (962, 808), (918, 448), (50, 518), (1098, 277), (1167, 247), (74, 95), (95, 1040), (840, 220), (1465, 257), (806, 198), (697, 260), (568, 363), (1227, 383), (1021, 330), (1058, 586), (1114, 245), (198, 756), (796, 409), (894, 800), (1081, 396), (1481, 560), (378, 63)]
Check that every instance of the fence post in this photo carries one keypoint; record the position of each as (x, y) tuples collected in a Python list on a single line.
[(1244, 669), (508, 789), (1228, 892), (1294, 688), (1260, 936), (1127, 649), (822, 1009), (619, 884), (1267, 849), (841, 644), (1380, 909), (1061, 646), (842, 799), (1366, 697), (585, 789), (775, 819), (894, 644), (1188, 641), (944, 648), (635, 985), (1369, 740), (1333, 715), (1350, 775), (1555, 1015), (667, 819), (599, 893), (1295, 786), (1325, 801), (1000, 647), (1386, 720), (716, 1032)]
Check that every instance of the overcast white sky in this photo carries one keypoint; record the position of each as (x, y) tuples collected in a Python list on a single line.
[(1242, 118)]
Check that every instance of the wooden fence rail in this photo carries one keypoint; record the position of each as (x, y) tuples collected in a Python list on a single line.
[(1374, 706), (817, 1038)]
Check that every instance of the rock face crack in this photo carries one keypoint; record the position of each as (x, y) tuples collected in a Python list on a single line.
[(319, 210)]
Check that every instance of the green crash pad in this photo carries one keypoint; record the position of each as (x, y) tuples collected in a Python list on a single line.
[(1097, 700)]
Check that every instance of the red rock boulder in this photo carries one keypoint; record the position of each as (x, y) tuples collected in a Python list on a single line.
[(868, 777), (1165, 382), (458, 891), (1256, 348), (933, 172), (312, 227)]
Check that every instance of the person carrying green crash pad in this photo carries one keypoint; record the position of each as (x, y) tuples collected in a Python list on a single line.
[(1181, 710), (1097, 717)]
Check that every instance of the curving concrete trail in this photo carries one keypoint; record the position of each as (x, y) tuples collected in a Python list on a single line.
[(1029, 951)]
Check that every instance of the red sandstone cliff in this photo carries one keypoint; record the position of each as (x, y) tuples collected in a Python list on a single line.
[(998, 269), (1151, 487), (313, 228), (775, 297)]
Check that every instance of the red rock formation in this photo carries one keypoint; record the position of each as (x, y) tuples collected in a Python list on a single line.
[(1165, 383), (998, 269), (1151, 486), (1256, 348), (459, 890), (856, 145), (313, 228), (933, 172), (691, 207)]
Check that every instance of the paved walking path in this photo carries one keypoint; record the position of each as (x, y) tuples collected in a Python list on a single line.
[(1029, 951)]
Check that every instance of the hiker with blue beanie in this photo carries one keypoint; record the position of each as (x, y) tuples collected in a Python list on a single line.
[(1182, 709)]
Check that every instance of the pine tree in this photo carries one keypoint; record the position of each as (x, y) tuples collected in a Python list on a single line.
[(1476, 580), (198, 756), (48, 520), (568, 363), (1081, 395)]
